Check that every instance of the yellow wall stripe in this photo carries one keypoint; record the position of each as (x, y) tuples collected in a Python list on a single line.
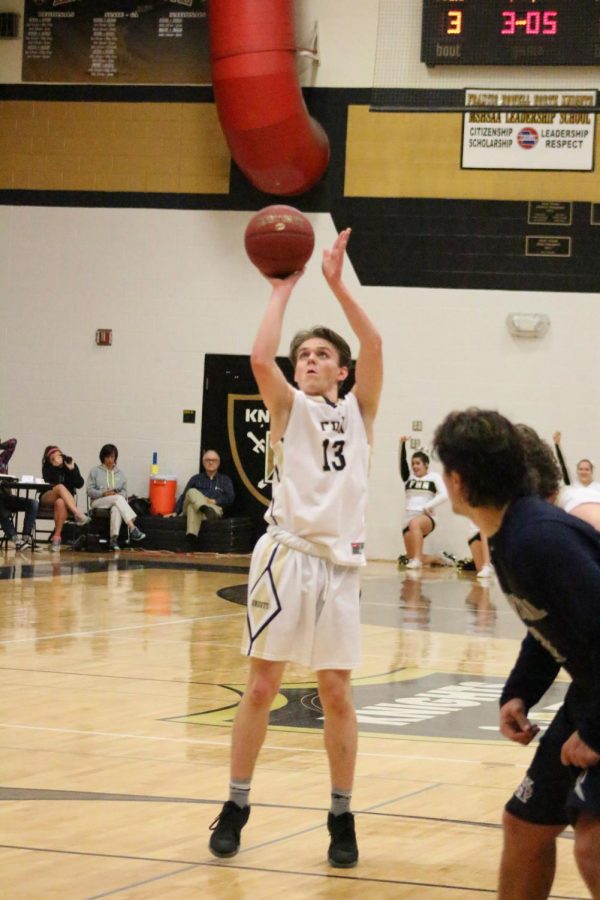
[(419, 154)]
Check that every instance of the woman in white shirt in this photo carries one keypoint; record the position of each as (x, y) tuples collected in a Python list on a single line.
[(582, 498), (425, 491)]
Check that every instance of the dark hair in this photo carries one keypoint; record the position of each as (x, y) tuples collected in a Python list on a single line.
[(542, 467), (48, 451), (326, 334), (108, 450), (485, 449), (420, 454)]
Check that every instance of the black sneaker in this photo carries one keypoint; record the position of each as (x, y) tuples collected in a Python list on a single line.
[(225, 838), (343, 849)]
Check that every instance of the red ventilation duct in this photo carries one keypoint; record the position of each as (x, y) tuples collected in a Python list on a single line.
[(270, 134)]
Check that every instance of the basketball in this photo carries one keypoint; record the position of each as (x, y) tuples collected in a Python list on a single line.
[(279, 240)]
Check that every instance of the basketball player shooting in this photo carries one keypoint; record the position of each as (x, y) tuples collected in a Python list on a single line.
[(303, 591)]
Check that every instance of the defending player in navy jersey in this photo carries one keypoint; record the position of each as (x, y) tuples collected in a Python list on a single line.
[(548, 564), (303, 591)]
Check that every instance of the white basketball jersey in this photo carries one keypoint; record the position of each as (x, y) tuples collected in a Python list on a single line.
[(574, 495), (320, 480)]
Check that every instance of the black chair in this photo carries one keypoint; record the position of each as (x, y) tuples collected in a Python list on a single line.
[(3, 536), (102, 517), (46, 514), (13, 516)]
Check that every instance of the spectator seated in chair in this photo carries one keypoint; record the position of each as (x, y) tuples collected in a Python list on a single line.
[(207, 495), (10, 504), (62, 472), (107, 489)]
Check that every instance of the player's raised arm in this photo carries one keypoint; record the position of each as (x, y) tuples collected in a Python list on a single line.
[(369, 365), (276, 392)]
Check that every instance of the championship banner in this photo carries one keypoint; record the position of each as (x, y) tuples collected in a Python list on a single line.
[(534, 139), (116, 42)]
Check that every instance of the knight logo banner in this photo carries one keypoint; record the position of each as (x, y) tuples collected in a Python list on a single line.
[(248, 430)]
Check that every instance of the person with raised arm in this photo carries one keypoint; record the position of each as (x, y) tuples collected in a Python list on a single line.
[(303, 592)]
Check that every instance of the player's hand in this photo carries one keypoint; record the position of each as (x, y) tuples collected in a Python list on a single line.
[(576, 752), (288, 282), (514, 723), (333, 260), (404, 438), (556, 437)]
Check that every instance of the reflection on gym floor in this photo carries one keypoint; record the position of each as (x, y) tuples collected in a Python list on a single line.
[(121, 681)]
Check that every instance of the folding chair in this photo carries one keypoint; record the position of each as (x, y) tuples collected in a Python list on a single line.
[(46, 514)]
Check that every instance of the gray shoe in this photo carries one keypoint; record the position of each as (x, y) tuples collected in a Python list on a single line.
[(83, 520), (55, 545), (136, 535), (25, 542), (113, 544)]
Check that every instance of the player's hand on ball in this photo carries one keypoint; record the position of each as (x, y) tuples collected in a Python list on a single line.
[(576, 752), (333, 260), (514, 723), (290, 281)]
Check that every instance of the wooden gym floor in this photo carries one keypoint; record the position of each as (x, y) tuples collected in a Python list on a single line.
[(121, 676)]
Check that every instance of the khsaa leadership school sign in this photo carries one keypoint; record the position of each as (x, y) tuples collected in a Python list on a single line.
[(550, 138)]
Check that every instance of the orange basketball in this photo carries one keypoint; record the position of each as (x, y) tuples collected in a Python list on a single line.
[(279, 240)]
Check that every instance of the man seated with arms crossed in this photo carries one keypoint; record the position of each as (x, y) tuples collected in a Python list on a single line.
[(548, 565), (206, 496), (9, 503)]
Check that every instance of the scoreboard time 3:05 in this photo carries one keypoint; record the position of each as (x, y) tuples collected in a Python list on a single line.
[(511, 33)]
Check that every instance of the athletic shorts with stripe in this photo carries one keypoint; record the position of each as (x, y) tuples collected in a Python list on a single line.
[(553, 794), (301, 609)]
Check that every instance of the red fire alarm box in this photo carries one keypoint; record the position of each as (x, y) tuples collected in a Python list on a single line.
[(104, 337)]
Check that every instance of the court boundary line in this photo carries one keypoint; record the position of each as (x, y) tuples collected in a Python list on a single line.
[(227, 743), (143, 625)]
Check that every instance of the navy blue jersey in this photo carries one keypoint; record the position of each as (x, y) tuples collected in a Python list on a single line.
[(548, 565)]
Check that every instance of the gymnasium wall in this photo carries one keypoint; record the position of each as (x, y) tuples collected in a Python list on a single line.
[(120, 211)]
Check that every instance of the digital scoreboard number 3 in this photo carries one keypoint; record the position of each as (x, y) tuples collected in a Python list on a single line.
[(511, 33)]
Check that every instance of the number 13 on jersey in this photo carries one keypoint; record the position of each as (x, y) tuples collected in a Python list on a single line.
[(333, 455)]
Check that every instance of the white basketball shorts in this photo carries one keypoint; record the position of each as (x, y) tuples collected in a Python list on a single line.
[(301, 609)]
